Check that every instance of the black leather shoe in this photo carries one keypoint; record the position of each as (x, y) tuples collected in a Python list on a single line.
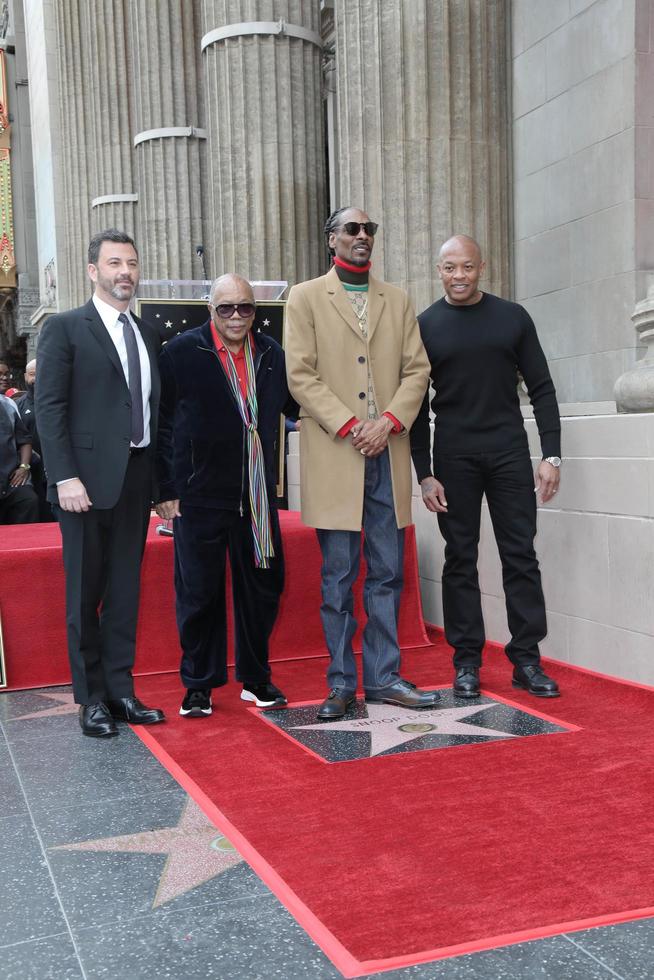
[(405, 694), (133, 711), (96, 721), (532, 679), (466, 682), (335, 704)]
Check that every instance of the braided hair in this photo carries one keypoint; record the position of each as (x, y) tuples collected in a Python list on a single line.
[(332, 224)]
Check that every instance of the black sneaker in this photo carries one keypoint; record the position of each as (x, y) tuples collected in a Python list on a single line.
[(196, 704), (263, 695)]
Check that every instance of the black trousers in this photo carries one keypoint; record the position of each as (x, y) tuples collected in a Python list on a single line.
[(19, 506), (102, 561), (203, 538), (507, 480)]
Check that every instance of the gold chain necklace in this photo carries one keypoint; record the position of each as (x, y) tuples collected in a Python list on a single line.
[(363, 312)]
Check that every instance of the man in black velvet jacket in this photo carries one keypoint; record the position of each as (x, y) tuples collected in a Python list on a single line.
[(476, 344), (223, 388)]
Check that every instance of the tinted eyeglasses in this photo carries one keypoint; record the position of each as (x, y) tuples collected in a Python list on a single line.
[(227, 310), (352, 227)]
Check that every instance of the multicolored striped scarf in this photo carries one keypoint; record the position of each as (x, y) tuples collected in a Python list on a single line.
[(249, 410)]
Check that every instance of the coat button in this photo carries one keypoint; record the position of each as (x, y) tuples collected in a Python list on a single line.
[(362, 394), (361, 359)]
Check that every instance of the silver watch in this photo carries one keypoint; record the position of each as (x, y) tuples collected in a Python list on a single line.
[(552, 460)]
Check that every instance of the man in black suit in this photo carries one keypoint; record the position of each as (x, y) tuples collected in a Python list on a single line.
[(97, 401)]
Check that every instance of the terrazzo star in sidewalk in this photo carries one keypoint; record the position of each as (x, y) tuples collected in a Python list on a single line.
[(195, 849), (65, 706), (389, 727)]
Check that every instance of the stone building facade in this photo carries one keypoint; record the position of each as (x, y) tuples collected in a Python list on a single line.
[(232, 127)]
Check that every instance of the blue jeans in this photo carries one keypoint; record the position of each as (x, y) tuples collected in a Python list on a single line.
[(383, 548)]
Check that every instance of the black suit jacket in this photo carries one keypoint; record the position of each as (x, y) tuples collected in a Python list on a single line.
[(83, 405)]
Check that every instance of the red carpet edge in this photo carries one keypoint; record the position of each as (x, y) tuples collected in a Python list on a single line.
[(331, 947)]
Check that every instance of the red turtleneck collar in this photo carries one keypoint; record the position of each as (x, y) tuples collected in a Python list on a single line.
[(351, 268)]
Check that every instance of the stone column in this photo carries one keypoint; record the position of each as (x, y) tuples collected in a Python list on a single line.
[(71, 165), (169, 136), (634, 390), (262, 71), (96, 112), (423, 131)]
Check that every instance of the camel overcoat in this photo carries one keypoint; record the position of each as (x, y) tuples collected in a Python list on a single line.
[(327, 364)]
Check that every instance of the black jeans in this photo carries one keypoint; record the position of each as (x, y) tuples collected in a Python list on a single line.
[(19, 506), (507, 480), (203, 538)]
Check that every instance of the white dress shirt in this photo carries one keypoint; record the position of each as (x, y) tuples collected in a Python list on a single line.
[(109, 316)]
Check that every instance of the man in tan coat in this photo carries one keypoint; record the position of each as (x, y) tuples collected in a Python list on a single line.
[(358, 369)]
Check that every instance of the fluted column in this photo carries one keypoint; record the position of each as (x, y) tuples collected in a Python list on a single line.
[(114, 196), (266, 139), (169, 136), (422, 131), (95, 86), (72, 172)]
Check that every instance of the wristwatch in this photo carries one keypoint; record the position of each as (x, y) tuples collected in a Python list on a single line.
[(24, 466), (552, 460)]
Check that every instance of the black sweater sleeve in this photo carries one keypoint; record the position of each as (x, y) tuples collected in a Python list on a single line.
[(532, 365), (420, 437)]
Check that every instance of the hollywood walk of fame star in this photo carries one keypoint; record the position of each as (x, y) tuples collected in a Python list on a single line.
[(390, 726), (66, 706), (196, 852)]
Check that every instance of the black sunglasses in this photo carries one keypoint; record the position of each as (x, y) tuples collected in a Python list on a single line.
[(352, 227), (227, 310)]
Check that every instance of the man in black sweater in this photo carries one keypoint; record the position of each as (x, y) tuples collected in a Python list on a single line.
[(477, 344)]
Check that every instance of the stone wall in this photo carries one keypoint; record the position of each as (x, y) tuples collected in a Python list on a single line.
[(595, 547), (583, 115)]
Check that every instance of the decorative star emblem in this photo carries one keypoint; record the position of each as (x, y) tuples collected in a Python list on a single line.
[(66, 706), (168, 324), (389, 726), (158, 316), (266, 323), (196, 852)]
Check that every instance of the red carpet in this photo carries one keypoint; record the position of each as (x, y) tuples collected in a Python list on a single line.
[(33, 618), (402, 859)]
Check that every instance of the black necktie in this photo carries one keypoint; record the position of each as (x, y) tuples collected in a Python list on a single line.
[(134, 379)]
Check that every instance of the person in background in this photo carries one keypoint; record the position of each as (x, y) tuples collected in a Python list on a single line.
[(25, 405), (18, 501)]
